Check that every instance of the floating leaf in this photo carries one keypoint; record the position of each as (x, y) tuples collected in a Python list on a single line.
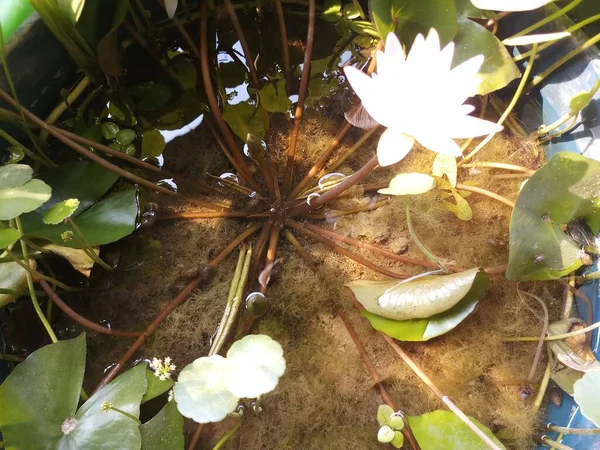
[(273, 97), (564, 189), (587, 395), (498, 68), (409, 184), (332, 11), (444, 430), (384, 412), (79, 259), (510, 5), (156, 386), (385, 434), (14, 278), (245, 118), (153, 143), (164, 431), (109, 130), (201, 390), (43, 393), (150, 95), (125, 136), (108, 49), (411, 17), (16, 154), (258, 363), (536, 38), (15, 175), (61, 211), (445, 165), (23, 199), (464, 8), (398, 440), (574, 352), (8, 236)]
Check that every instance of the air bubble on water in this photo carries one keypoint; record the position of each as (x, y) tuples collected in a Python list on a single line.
[(330, 177), (256, 304), (230, 177), (312, 196), (253, 194)]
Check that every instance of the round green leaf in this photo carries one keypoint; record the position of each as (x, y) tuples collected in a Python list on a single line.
[(43, 393), (125, 136), (15, 175), (384, 412), (8, 236), (61, 211), (498, 68), (398, 440), (153, 143), (245, 118), (150, 95), (409, 184), (13, 277), (164, 430), (385, 434), (22, 199), (587, 395), (332, 11), (444, 430), (273, 97), (128, 149), (109, 130), (201, 390), (257, 362)]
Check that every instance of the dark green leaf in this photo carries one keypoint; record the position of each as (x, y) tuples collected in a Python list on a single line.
[(333, 11), (150, 95), (13, 277), (97, 429), (444, 430), (72, 9), (23, 199), (41, 394), (109, 130), (153, 143), (108, 48), (8, 236), (498, 68), (125, 136), (156, 386), (15, 175), (245, 118), (273, 97), (61, 211), (164, 431), (411, 17), (564, 189)]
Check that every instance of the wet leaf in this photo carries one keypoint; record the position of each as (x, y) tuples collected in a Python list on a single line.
[(43, 392), (574, 352), (78, 258), (587, 395), (536, 38), (72, 9), (425, 329), (153, 143), (385, 434), (562, 190), (384, 412), (445, 165), (364, 28), (13, 277), (565, 378), (273, 97), (164, 431), (257, 364), (128, 149), (185, 71), (201, 390), (16, 154), (498, 68), (23, 199), (411, 17), (460, 207), (245, 118), (409, 184), (150, 95), (333, 11), (15, 175), (351, 11), (8, 236), (125, 136), (510, 5), (61, 211), (171, 7), (398, 440), (97, 429), (156, 386), (444, 430), (109, 130)]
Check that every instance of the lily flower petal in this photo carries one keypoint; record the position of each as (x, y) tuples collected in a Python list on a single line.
[(393, 146), (440, 144), (393, 47), (469, 126)]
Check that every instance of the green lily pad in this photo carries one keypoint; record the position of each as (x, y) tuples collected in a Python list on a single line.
[(498, 68), (245, 118), (153, 143), (109, 130), (564, 189), (13, 277), (8, 236), (411, 17), (436, 325), (464, 8), (156, 386), (587, 395), (17, 200), (15, 175), (150, 95), (164, 430), (273, 97), (61, 211), (444, 430), (125, 136), (43, 393)]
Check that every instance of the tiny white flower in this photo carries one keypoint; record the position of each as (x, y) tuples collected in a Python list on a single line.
[(419, 97), (170, 397), (162, 368), (68, 425)]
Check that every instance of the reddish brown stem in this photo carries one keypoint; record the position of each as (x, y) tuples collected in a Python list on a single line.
[(342, 251), (202, 275), (291, 154), (80, 319), (240, 35), (195, 437), (352, 180), (214, 105), (301, 251), (271, 252), (206, 215), (321, 161), (284, 46), (259, 249)]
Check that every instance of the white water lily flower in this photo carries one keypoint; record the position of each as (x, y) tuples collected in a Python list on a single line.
[(419, 97)]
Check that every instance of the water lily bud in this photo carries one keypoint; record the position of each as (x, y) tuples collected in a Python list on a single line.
[(396, 421), (385, 434)]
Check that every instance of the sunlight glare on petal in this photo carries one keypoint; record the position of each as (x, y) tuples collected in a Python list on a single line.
[(393, 146)]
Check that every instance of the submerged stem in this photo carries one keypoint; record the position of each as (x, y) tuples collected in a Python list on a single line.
[(555, 444), (413, 235), (540, 346), (566, 430), (228, 435), (243, 42), (284, 46)]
